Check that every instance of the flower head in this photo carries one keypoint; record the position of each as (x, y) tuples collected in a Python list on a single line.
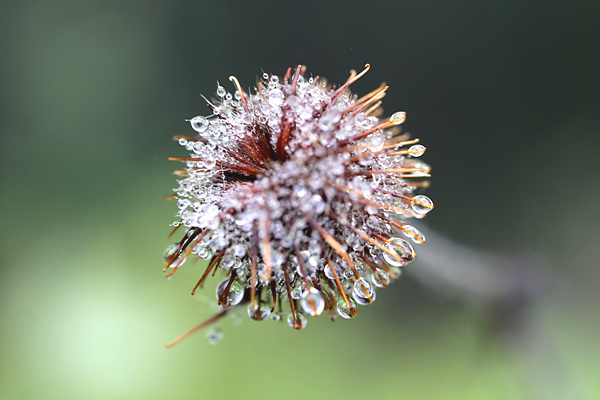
[(299, 193)]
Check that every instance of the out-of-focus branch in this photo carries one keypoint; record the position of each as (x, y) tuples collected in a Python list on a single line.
[(508, 288), (480, 277)]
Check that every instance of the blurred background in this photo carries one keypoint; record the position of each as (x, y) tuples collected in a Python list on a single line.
[(505, 95)]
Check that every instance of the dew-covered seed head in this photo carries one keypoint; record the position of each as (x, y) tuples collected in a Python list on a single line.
[(298, 193)]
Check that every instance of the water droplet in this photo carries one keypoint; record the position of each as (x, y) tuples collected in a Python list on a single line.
[(299, 322), (422, 204), (363, 289), (404, 251), (364, 301), (312, 302), (380, 278), (347, 273), (209, 162), (171, 250), (259, 313), (329, 120), (228, 261), (416, 150), (296, 293), (199, 124), (235, 294), (276, 258), (214, 335), (343, 310), (398, 117), (423, 166), (328, 272), (221, 91), (203, 252), (275, 97), (239, 250), (395, 272), (413, 233), (276, 316)]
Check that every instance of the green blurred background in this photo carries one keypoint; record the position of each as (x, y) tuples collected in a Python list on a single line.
[(505, 95)]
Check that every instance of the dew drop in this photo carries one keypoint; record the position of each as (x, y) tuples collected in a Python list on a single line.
[(235, 294), (170, 251), (221, 91), (179, 261), (239, 250), (398, 117), (328, 272), (343, 310), (248, 118), (214, 335), (395, 272), (209, 162), (347, 273), (299, 322), (416, 150), (203, 252), (227, 261), (296, 293), (364, 301), (312, 302), (404, 251), (199, 124), (276, 258), (276, 316), (413, 233), (380, 278), (422, 204), (363, 289), (275, 97), (259, 313), (422, 166)]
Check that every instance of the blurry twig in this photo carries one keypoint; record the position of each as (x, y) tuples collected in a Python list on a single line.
[(508, 288)]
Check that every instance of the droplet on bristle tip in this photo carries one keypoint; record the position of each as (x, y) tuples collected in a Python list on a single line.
[(312, 302), (170, 251), (416, 150), (404, 253), (422, 204), (234, 295), (363, 289), (380, 278), (259, 313), (199, 123), (299, 322), (414, 234), (398, 117), (343, 310)]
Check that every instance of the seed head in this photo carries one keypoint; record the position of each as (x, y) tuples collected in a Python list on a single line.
[(299, 194)]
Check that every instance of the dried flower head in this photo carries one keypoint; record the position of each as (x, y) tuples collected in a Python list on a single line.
[(299, 194)]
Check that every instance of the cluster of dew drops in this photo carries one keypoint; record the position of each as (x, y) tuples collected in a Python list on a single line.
[(358, 289)]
